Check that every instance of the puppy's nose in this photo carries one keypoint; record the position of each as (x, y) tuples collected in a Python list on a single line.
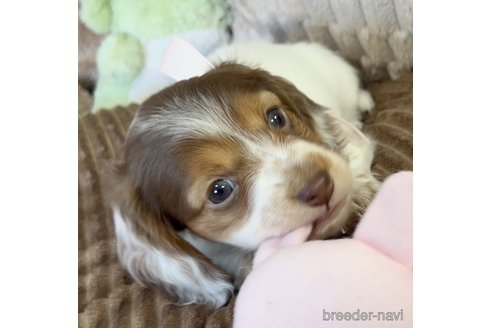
[(317, 190)]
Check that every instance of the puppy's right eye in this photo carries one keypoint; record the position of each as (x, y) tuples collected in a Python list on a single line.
[(276, 118), (220, 191)]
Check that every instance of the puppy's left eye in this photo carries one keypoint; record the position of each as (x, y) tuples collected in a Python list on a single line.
[(220, 191), (276, 118)]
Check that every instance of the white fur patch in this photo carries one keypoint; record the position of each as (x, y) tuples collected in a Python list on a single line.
[(233, 260), (204, 117), (268, 194), (145, 262)]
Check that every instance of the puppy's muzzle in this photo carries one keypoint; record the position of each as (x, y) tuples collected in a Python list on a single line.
[(317, 190)]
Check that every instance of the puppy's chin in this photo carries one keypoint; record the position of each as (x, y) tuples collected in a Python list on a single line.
[(331, 223)]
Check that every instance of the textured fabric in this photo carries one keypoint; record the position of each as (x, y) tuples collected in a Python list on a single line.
[(391, 125), (107, 298), (376, 35)]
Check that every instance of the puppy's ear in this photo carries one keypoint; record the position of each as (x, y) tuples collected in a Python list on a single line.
[(358, 149), (154, 253)]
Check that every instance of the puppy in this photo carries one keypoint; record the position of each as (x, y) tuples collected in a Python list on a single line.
[(253, 149)]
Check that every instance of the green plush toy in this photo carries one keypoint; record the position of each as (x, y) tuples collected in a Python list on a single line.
[(137, 35)]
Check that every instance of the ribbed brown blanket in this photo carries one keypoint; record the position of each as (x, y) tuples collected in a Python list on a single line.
[(107, 298)]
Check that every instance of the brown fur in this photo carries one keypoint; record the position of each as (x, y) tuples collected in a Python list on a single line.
[(209, 161), (151, 228), (163, 175), (163, 181)]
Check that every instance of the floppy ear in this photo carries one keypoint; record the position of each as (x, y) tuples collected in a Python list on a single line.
[(154, 253), (358, 150), (357, 147)]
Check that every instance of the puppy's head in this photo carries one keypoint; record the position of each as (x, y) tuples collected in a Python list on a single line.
[(236, 156)]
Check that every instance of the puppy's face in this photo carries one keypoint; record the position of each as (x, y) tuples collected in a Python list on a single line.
[(237, 156)]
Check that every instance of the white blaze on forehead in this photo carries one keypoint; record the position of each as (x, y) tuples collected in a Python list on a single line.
[(262, 194), (199, 116)]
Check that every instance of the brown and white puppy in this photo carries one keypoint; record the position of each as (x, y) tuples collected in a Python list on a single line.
[(216, 164)]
